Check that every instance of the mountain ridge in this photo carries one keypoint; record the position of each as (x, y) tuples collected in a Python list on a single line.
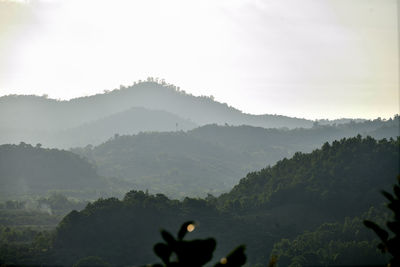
[(34, 119), (212, 157)]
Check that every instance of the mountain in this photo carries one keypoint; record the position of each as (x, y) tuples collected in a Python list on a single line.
[(175, 163), (132, 121), (305, 199), (144, 106), (25, 170), (49, 123), (211, 159), (35, 119)]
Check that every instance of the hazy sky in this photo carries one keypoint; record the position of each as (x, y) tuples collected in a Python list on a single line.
[(308, 58)]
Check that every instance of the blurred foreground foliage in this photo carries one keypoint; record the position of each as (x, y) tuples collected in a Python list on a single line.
[(390, 244), (176, 252)]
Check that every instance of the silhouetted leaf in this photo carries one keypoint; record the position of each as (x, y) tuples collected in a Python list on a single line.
[(387, 195), (396, 190), (197, 251), (383, 235), (168, 237), (234, 259), (182, 232), (394, 226), (163, 251), (382, 247)]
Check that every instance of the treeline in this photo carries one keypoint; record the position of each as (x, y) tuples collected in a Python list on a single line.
[(56, 203)]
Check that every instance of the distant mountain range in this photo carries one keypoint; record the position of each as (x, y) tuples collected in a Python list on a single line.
[(152, 136), (209, 159), (144, 106)]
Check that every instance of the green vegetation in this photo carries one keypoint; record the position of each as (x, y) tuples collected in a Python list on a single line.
[(339, 243), (46, 168), (39, 212), (390, 244), (326, 180), (27, 171), (302, 205), (112, 228), (207, 160), (307, 209)]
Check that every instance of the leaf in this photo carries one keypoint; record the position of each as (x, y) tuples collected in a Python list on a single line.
[(382, 247), (394, 227), (236, 258), (396, 190), (168, 237), (383, 235), (182, 232), (195, 252), (388, 196), (394, 206), (163, 251)]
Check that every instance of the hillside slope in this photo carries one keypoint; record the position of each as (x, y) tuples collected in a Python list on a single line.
[(208, 159), (338, 179), (276, 204), (25, 169), (132, 121)]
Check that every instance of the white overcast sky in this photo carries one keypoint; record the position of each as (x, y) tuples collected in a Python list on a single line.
[(303, 58)]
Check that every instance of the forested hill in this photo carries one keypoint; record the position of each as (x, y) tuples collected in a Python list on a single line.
[(212, 158), (25, 169), (300, 139), (340, 178), (271, 206)]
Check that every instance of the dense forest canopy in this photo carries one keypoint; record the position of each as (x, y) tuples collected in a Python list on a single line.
[(211, 159), (330, 177), (206, 160), (329, 192), (27, 170)]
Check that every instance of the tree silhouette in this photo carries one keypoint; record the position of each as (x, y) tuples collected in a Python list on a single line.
[(390, 244), (195, 253)]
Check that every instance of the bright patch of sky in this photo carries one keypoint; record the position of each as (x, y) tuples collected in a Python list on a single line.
[(309, 58)]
